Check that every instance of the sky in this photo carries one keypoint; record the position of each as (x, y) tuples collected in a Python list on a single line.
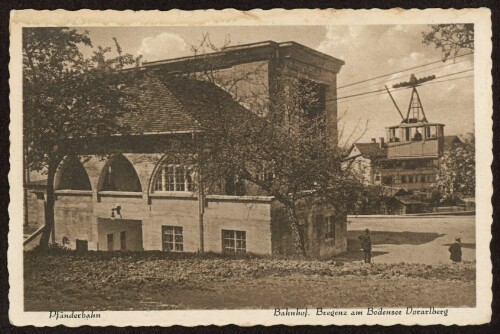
[(369, 51)]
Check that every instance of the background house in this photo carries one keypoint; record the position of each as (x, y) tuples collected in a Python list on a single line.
[(364, 159), (451, 141)]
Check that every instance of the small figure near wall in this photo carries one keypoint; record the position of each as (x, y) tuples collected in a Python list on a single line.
[(366, 244), (456, 251)]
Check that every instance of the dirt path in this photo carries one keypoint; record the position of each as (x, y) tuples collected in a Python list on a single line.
[(417, 240)]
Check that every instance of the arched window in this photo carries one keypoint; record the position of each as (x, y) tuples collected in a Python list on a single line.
[(120, 175), (173, 177), (72, 175)]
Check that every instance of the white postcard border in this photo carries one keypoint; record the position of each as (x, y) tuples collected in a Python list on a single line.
[(483, 130)]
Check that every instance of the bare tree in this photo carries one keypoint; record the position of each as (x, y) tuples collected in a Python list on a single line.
[(450, 38), (277, 145)]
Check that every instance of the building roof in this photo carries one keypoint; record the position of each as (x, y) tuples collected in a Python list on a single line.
[(244, 53), (406, 200), (413, 125), (449, 141), (371, 150), (169, 104)]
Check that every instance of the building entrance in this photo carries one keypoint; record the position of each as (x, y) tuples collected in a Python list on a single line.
[(119, 234)]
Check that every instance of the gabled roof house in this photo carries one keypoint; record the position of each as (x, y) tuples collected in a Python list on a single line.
[(139, 198)]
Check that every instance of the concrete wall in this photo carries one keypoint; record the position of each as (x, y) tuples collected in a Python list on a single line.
[(248, 83), (294, 69), (253, 217), (314, 222), (132, 229), (36, 209), (85, 215), (74, 220), (84, 220), (427, 148), (171, 211)]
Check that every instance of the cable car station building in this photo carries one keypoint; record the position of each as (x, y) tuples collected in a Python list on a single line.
[(139, 198), (413, 147), (408, 157)]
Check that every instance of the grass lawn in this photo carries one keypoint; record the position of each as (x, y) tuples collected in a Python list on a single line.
[(66, 280)]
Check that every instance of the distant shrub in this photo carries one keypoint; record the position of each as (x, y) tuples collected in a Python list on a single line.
[(53, 249)]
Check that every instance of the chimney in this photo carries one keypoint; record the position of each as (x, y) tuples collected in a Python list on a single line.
[(381, 142), (374, 140)]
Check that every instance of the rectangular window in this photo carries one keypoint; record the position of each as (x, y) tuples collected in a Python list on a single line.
[(173, 178), (393, 136), (170, 178), (234, 241), (179, 178), (188, 180), (422, 178), (264, 173), (410, 179), (159, 184), (330, 228), (110, 238), (432, 132), (313, 95), (173, 241), (404, 179), (123, 240)]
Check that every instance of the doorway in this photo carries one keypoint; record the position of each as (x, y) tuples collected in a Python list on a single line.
[(119, 234)]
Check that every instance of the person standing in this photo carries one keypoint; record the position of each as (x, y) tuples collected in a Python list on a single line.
[(366, 244), (456, 251)]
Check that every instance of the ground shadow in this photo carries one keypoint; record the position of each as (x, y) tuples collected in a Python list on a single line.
[(464, 245), (355, 255), (390, 238)]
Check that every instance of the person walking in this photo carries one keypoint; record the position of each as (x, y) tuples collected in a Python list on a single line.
[(456, 250), (366, 244)]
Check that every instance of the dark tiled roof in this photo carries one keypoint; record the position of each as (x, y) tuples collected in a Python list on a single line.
[(168, 104), (157, 109), (450, 140), (371, 150), (203, 101)]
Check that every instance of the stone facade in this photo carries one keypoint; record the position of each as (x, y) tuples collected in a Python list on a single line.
[(119, 208), (85, 216)]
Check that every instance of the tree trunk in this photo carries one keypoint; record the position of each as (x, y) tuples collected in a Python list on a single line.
[(296, 231), (49, 208)]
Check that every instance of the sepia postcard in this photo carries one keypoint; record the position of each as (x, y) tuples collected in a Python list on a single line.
[(296, 167)]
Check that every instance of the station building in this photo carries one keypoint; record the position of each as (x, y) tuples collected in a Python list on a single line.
[(132, 196)]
